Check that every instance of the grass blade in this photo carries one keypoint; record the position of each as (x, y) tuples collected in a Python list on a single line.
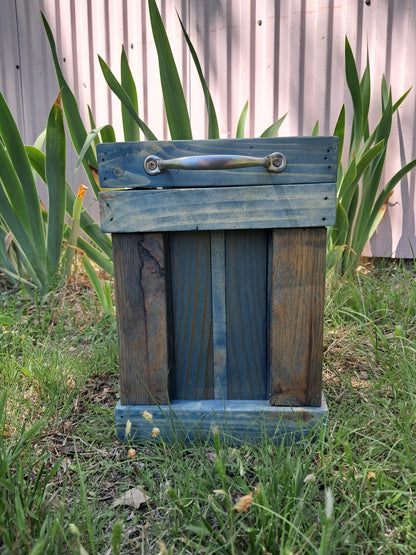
[(174, 99)]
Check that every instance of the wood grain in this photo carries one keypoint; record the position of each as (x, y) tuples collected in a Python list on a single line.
[(219, 319), (296, 316), (309, 160), (140, 287), (246, 302), (303, 205), (192, 315)]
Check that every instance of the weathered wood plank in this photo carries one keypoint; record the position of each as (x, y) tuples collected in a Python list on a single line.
[(192, 315), (219, 322), (140, 287), (246, 301), (288, 206), (296, 318), (236, 421), (309, 160)]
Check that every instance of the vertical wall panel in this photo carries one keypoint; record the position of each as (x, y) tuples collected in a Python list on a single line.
[(281, 56)]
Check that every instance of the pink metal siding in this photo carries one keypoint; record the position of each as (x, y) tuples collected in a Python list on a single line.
[(285, 56)]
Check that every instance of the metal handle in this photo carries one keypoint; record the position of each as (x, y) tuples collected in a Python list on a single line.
[(275, 162)]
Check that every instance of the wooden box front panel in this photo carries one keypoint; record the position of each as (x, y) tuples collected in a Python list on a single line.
[(221, 315)]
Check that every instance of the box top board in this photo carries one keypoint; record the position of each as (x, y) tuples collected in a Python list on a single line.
[(308, 160), (302, 193)]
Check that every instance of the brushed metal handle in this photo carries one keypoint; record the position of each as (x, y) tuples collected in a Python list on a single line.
[(275, 162)]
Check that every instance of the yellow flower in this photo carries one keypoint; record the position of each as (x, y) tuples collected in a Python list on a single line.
[(147, 415), (371, 476), (244, 503), (81, 191), (155, 432)]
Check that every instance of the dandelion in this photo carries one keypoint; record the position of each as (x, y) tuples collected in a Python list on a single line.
[(147, 416), (128, 428), (155, 432), (371, 476), (244, 503), (131, 453)]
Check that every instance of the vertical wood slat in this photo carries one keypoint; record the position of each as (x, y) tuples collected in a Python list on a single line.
[(219, 321), (140, 287), (191, 295), (246, 299), (296, 316)]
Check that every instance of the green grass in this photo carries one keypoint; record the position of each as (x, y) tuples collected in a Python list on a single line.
[(62, 468)]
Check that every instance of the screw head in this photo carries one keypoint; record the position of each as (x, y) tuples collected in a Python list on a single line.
[(151, 165)]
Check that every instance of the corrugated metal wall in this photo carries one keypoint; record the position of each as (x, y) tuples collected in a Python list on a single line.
[(285, 56)]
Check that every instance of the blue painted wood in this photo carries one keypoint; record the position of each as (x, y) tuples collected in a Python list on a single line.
[(309, 160), (191, 293), (236, 421), (246, 299), (288, 206), (219, 323)]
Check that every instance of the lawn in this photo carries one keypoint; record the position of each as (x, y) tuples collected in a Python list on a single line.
[(64, 474)]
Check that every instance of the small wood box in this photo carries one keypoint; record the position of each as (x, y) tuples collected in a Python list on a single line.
[(220, 283)]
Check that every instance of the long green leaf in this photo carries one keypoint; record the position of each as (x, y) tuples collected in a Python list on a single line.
[(13, 187), (34, 263), (87, 143), (31, 215), (55, 179), (173, 96), (353, 83), (213, 131), (95, 282), (242, 122), (390, 185), (273, 129), (88, 224), (340, 228), (401, 99), (96, 256), (108, 134), (339, 132), (73, 118), (365, 87), (125, 99), (130, 127)]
